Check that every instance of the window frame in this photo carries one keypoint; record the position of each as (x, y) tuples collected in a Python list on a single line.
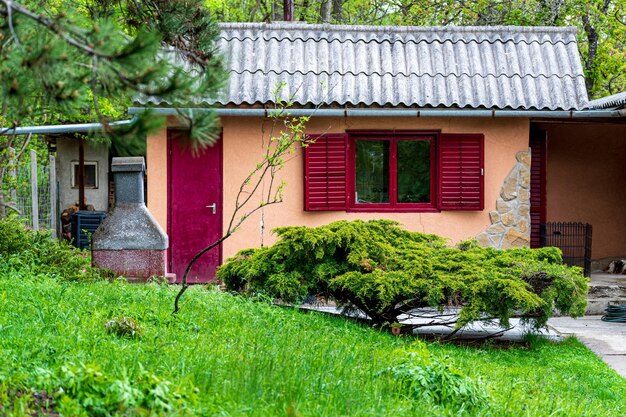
[(74, 178), (393, 206)]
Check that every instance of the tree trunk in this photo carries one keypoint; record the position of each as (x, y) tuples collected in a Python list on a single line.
[(325, 11), (592, 49), (337, 10)]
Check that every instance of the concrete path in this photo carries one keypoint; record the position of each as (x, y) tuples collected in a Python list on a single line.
[(607, 340)]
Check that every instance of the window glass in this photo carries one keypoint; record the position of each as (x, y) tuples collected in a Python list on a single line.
[(413, 171), (372, 171), (91, 180)]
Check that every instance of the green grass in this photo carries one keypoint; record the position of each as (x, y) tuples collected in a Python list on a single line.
[(228, 356)]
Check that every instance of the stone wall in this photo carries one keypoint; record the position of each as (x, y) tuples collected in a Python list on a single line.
[(510, 221)]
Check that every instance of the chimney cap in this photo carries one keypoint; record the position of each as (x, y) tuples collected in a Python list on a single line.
[(128, 164)]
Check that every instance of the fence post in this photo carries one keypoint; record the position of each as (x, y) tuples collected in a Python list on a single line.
[(52, 183), (33, 189), (13, 176)]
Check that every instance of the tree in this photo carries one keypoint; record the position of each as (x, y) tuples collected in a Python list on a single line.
[(65, 62)]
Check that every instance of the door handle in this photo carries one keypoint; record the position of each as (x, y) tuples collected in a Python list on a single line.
[(213, 207)]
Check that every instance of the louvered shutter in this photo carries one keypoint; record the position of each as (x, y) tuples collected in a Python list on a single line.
[(325, 173), (538, 146), (461, 168)]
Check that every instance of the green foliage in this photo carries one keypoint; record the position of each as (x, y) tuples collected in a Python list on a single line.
[(232, 356), (86, 390), (383, 269), (35, 254), (62, 61), (437, 381)]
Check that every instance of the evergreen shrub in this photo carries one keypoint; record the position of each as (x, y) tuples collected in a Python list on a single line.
[(385, 270)]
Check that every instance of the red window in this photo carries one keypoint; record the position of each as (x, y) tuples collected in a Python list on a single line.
[(394, 171)]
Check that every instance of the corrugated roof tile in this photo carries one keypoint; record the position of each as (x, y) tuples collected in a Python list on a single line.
[(478, 67)]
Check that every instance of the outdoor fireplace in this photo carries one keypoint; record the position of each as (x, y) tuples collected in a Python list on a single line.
[(130, 241)]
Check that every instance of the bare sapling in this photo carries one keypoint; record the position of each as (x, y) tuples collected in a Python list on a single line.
[(261, 187)]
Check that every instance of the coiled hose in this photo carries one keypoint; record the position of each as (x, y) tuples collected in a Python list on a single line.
[(615, 313)]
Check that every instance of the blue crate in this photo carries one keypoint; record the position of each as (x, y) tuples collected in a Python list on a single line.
[(84, 223)]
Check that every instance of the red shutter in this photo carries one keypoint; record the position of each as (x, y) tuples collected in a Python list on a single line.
[(538, 146), (461, 168), (325, 173)]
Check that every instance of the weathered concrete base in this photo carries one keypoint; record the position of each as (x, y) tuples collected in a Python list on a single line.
[(604, 290), (139, 265)]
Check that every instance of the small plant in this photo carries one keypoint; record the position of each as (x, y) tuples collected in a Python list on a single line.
[(123, 326), (439, 382), (86, 389)]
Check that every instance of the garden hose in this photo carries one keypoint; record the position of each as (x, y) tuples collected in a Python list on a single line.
[(615, 314)]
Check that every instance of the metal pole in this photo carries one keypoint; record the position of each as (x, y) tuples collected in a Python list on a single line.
[(52, 175), (33, 189), (81, 174)]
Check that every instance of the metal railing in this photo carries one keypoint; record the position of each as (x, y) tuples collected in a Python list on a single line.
[(574, 240)]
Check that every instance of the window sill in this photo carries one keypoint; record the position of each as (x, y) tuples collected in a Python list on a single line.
[(362, 209)]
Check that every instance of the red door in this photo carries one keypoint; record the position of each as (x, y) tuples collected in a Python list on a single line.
[(195, 207)]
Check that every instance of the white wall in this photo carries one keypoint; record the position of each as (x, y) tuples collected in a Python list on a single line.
[(67, 151)]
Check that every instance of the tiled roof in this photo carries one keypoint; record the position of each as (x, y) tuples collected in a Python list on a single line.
[(474, 67), (616, 100)]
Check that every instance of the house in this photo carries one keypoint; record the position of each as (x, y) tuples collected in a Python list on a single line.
[(428, 126)]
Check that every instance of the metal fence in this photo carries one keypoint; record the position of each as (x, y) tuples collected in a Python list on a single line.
[(33, 191), (574, 240)]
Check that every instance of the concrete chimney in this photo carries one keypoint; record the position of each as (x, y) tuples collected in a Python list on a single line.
[(130, 241)]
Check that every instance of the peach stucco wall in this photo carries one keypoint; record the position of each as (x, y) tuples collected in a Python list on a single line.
[(156, 173), (586, 181), (243, 147)]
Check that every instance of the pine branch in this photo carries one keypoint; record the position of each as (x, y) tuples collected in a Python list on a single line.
[(52, 27)]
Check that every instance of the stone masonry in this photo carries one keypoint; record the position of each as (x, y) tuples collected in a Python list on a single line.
[(510, 221)]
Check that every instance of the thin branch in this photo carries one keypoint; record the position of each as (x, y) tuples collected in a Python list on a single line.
[(19, 154), (11, 206), (52, 27), (9, 12)]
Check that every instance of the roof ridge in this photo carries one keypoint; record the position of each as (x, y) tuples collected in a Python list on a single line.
[(614, 100), (397, 29), (294, 37), (425, 74)]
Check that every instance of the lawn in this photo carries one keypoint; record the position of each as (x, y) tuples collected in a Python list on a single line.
[(229, 356)]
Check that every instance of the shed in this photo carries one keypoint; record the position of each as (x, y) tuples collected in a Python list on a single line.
[(428, 126)]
